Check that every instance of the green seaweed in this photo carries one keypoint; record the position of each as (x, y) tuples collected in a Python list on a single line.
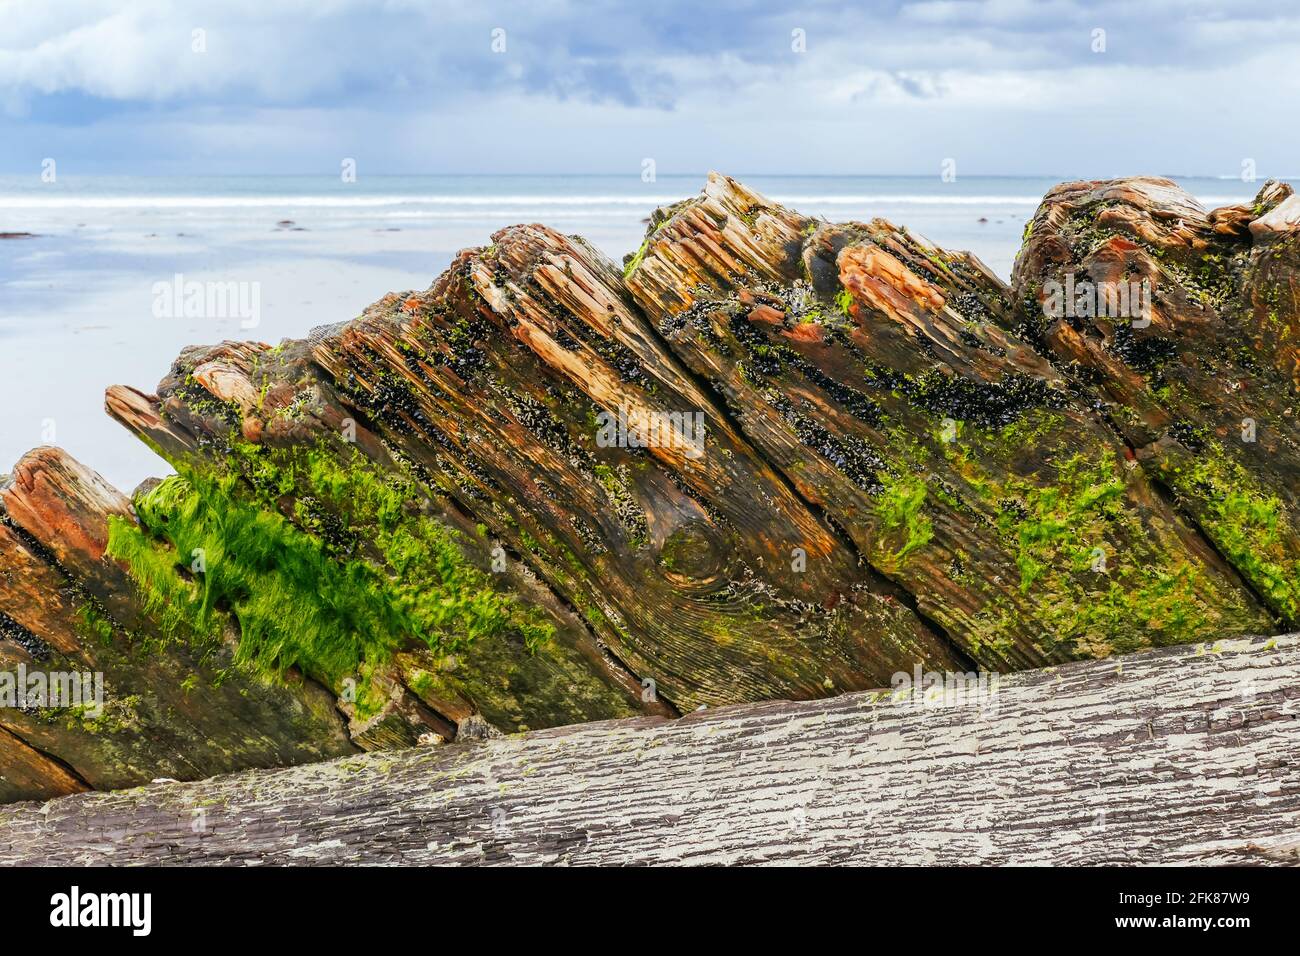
[(1097, 579), (844, 301), (94, 623), (1251, 528), (899, 506), (301, 597)]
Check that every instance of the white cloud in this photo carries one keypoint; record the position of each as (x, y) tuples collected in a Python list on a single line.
[(291, 84)]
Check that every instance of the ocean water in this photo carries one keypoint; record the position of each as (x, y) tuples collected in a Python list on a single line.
[(81, 305)]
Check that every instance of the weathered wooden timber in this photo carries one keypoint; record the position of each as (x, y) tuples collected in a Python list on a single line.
[(168, 710), (1203, 388), (878, 371), (1182, 755), (770, 457)]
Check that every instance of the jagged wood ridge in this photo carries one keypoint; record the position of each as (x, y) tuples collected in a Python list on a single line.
[(878, 371), (903, 462), (1206, 395)]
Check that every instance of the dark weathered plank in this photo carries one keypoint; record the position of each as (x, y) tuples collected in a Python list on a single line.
[(169, 709), (1203, 387), (1184, 755)]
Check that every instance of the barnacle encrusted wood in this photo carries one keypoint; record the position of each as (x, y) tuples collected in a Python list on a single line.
[(1204, 392), (883, 375), (768, 457)]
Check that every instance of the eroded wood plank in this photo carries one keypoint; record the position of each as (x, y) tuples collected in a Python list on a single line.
[(1183, 755)]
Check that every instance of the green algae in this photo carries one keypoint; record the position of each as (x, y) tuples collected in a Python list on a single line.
[(93, 623), (1097, 580), (1054, 521), (1251, 528), (295, 606), (631, 265), (899, 507), (1091, 578), (118, 715), (306, 596), (844, 302)]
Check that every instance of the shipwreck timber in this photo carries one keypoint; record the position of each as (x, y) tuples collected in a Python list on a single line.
[(419, 526)]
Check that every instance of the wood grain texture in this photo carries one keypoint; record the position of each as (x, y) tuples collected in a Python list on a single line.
[(1203, 391), (893, 458), (882, 375), (1181, 755), (300, 414)]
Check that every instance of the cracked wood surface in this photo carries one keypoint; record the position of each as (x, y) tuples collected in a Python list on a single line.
[(1180, 755)]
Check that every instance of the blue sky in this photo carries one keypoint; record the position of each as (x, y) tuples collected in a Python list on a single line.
[(1182, 87)]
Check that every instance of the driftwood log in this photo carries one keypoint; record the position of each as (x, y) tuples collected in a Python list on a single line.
[(768, 458), (1185, 755)]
